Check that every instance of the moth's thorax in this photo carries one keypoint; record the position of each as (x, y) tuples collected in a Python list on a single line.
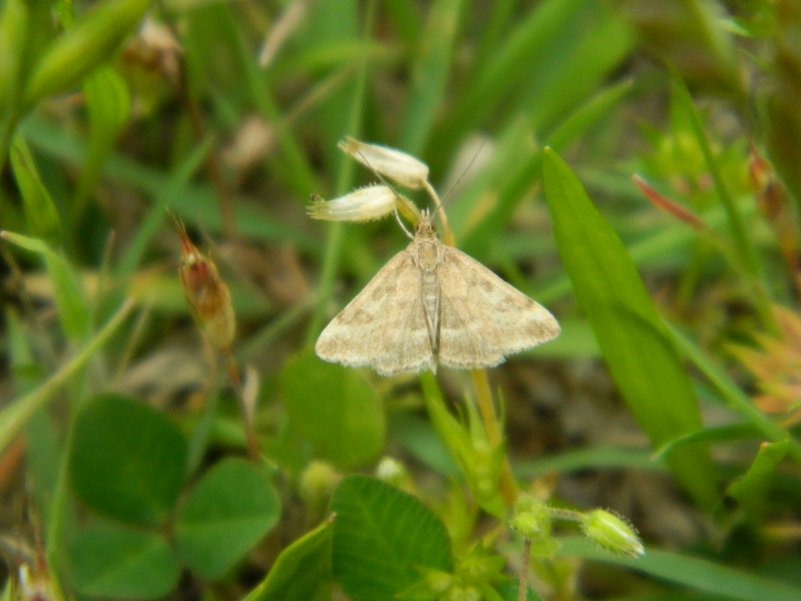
[(426, 246), (427, 254)]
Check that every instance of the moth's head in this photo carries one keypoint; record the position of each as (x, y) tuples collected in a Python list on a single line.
[(424, 226)]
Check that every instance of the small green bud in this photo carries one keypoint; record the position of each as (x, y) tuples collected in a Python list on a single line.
[(392, 471), (531, 518), (316, 482), (83, 47), (463, 592), (612, 532)]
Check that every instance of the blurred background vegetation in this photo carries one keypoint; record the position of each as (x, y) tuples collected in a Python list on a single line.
[(228, 115)]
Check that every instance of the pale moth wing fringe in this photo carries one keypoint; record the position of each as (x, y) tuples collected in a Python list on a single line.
[(431, 304)]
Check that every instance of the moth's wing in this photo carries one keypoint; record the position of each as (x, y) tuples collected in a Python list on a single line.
[(484, 319), (384, 327)]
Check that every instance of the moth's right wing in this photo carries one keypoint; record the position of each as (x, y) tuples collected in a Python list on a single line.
[(384, 327)]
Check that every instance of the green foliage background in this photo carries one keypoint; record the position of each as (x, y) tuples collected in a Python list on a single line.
[(121, 435)]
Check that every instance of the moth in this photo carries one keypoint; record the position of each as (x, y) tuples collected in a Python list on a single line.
[(431, 305)]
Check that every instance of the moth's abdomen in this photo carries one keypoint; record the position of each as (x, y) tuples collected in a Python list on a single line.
[(430, 297)]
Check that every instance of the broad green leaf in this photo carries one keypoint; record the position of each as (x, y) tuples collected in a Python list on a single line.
[(229, 509), (114, 562), (335, 409), (86, 45), (40, 212), (382, 537), (302, 572), (16, 414), (637, 348), (72, 306), (752, 488), (695, 572), (127, 460)]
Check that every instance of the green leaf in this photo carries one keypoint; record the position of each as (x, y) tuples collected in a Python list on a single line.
[(127, 460), (382, 537), (752, 488), (119, 563), (108, 103), (230, 508), (72, 306), (637, 349), (14, 24), (335, 409), (302, 572), (83, 47), (40, 212), (695, 572)]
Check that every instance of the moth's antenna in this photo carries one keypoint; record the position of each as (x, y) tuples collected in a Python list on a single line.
[(464, 172), (400, 223)]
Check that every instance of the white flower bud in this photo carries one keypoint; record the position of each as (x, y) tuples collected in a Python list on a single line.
[(398, 166), (364, 204)]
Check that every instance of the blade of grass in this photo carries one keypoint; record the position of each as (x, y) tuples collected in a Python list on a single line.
[(108, 103), (174, 188), (197, 204), (695, 572), (40, 211), (517, 171), (636, 347), (429, 73), (14, 416), (75, 317), (743, 241), (578, 64), (732, 395), (595, 457), (510, 64)]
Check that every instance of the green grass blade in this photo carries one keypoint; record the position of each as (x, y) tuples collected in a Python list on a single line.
[(695, 572), (14, 416), (108, 103), (733, 396), (638, 351), (518, 171), (174, 188), (83, 47), (742, 237), (522, 50), (69, 296), (40, 211), (430, 73)]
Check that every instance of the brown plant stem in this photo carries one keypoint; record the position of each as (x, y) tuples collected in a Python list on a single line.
[(522, 588)]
